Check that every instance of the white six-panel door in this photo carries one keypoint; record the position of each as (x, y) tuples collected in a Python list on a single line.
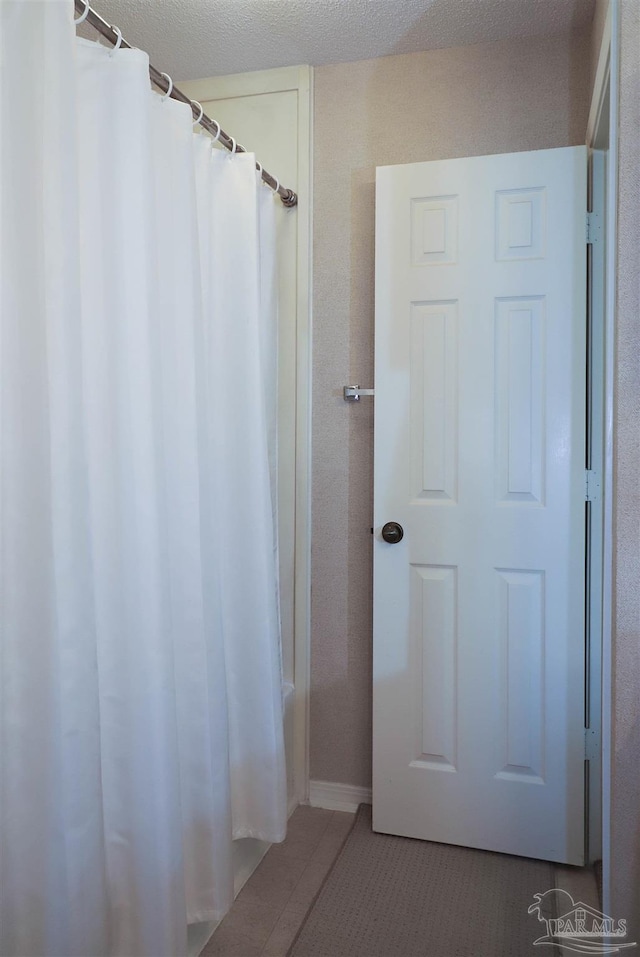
[(479, 455)]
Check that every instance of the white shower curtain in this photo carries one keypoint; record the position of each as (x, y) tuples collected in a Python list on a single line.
[(140, 694)]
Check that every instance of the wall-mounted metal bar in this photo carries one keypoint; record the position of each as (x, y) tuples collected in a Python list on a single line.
[(287, 196), (352, 393)]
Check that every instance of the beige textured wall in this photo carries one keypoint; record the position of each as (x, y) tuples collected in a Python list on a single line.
[(625, 812), (493, 98)]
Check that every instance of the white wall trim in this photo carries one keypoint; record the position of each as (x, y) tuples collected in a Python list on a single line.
[(337, 797), (594, 569), (608, 70), (247, 854), (302, 587), (247, 84), (609, 361)]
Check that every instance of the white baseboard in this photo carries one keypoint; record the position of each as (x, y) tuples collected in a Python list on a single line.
[(247, 854), (198, 937), (337, 797)]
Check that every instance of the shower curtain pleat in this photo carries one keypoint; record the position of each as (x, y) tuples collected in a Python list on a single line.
[(51, 838), (268, 333), (141, 709), (244, 527)]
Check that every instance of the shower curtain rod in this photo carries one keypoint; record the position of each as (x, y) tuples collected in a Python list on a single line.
[(113, 35)]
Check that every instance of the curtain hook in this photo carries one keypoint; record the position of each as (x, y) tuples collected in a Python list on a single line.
[(83, 16), (118, 41), (170, 86), (217, 136), (199, 105)]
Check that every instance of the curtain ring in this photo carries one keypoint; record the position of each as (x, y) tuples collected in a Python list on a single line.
[(234, 145), (217, 136), (195, 103), (170, 87), (259, 167), (277, 186), (118, 43), (83, 16)]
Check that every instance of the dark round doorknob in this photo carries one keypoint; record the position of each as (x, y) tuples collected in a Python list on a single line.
[(392, 533)]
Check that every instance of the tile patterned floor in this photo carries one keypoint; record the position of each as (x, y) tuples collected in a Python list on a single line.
[(271, 906)]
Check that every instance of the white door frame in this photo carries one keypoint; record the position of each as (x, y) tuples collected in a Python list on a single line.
[(605, 101)]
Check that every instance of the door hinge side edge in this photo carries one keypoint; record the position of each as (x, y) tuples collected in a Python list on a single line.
[(593, 227), (591, 485), (591, 744)]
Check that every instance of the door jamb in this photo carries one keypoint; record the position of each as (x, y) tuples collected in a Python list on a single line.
[(606, 82), (596, 250)]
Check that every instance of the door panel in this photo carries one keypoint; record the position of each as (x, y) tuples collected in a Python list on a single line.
[(480, 455)]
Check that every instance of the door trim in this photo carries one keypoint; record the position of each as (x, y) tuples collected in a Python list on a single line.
[(607, 80)]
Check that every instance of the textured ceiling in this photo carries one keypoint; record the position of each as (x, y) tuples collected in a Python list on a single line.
[(196, 38)]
